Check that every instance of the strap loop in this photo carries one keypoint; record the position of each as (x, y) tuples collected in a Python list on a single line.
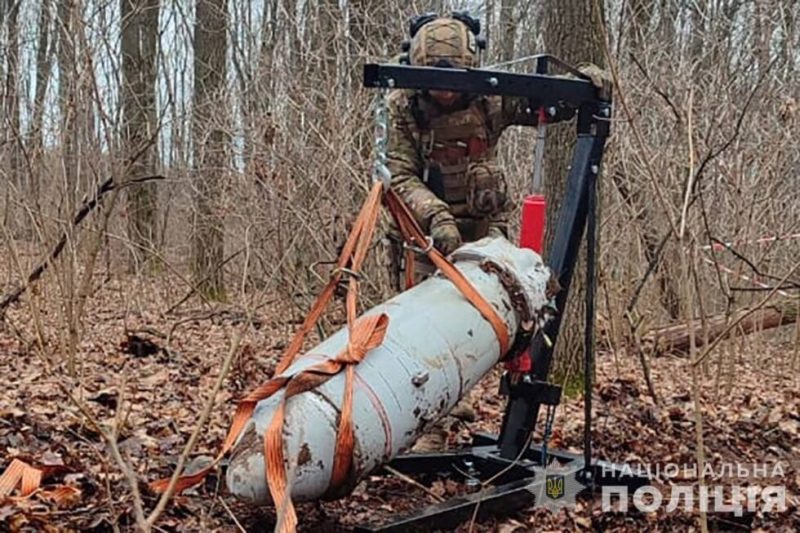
[(359, 276), (417, 249)]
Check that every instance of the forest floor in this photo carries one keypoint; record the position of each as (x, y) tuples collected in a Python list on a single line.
[(751, 414)]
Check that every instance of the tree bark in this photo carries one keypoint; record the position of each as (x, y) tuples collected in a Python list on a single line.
[(653, 252), (508, 29), (669, 11), (139, 45), (11, 108), (209, 140), (44, 68), (696, 32), (572, 32), (67, 89)]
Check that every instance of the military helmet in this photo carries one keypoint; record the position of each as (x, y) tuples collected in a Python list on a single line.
[(453, 41)]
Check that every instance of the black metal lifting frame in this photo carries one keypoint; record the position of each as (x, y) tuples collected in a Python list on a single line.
[(511, 452)]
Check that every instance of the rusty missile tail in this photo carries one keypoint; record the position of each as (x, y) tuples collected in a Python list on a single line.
[(436, 348)]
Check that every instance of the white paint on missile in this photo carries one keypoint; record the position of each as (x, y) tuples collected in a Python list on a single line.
[(437, 347)]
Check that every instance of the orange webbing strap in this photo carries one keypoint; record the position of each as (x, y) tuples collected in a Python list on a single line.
[(61, 494), (363, 335), (367, 333), (244, 410), (415, 237), (20, 473), (410, 267), (29, 479), (353, 253), (362, 231)]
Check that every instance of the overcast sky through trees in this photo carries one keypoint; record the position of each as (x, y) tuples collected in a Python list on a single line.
[(175, 72)]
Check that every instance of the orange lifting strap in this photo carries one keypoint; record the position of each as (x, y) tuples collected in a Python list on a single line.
[(29, 479), (365, 333), (20, 473)]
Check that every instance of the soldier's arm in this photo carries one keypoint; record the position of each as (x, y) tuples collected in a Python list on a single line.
[(406, 166)]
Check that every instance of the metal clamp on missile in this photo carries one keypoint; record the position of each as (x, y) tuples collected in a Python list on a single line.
[(510, 459)]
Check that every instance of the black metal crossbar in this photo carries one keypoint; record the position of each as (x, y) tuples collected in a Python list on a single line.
[(541, 89)]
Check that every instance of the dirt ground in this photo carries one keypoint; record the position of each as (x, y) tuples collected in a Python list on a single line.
[(149, 373)]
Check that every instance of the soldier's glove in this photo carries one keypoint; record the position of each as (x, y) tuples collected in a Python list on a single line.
[(487, 193), (600, 78), (497, 230), (444, 232)]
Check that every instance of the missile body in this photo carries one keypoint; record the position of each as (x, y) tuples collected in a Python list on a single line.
[(436, 348)]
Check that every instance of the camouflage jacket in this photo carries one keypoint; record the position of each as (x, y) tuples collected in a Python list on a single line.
[(429, 150)]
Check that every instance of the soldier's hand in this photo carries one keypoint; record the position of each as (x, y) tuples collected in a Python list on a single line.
[(600, 78), (498, 230), (444, 232)]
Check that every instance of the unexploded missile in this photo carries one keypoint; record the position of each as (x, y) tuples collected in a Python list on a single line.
[(436, 348)]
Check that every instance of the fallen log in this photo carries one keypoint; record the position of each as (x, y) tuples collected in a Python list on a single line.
[(675, 340)]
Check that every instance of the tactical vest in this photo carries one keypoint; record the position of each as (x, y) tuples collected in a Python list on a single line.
[(449, 142)]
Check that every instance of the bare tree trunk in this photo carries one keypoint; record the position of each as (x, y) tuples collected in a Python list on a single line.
[(763, 29), (788, 26), (139, 42), (209, 139), (67, 70), (44, 67), (697, 31), (324, 27), (653, 249), (668, 13), (508, 29), (11, 108), (69, 132), (573, 32)]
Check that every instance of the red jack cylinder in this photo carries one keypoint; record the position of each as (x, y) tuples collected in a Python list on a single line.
[(534, 209), (533, 221), (531, 236)]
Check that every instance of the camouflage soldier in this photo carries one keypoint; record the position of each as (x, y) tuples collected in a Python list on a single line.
[(442, 156), (442, 144)]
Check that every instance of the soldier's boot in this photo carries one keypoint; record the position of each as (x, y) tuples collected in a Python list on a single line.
[(463, 411), (435, 440)]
